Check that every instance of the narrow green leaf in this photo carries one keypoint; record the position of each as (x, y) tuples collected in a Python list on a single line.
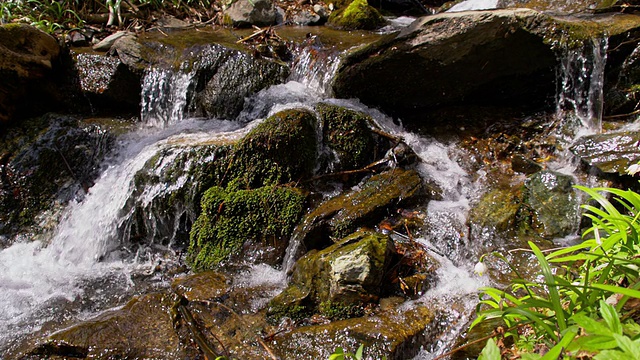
[(618, 289), (554, 352), (611, 355), (552, 288)]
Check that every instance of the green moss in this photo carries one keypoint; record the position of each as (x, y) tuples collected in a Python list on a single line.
[(358, 15), (335, 310), (347, 132), (229, 218), (280, 150)]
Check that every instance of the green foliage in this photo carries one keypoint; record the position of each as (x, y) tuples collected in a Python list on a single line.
[(339, 311), (566, 307), (339, 354)]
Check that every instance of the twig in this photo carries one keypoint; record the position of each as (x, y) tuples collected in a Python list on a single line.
[(202, 343), (622, 115)]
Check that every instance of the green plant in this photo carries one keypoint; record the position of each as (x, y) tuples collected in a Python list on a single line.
[(565, 304), (339, 354)]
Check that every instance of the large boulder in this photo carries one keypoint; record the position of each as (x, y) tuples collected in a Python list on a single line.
[(480, 58), (27, 58)]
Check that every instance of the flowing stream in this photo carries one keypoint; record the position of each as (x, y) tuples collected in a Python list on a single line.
[(85, 252)]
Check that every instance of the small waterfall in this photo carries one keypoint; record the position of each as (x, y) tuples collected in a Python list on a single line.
[(315, 66), (474, 5), (164, 96), (580, 98)]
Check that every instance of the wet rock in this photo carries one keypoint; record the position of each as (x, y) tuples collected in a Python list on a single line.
[(226, 77), (230, 218), (46, 161), (349, 272), (135, 55), (204, 286), (141, 329), (393, 333), (364, 205), (348, 133), (108, 83), (452, 59), (357, 14), (306, 18), (245, 13), (496, 210), (27, 59), (610, 153), (552, 204), (523, 165)]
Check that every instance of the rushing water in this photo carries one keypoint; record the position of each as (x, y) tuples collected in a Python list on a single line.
[(86, 247)]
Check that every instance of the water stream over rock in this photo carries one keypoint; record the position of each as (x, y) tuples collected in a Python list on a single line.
[(128, 234)]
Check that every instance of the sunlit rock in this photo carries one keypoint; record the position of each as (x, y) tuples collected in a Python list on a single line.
[(610, 153)]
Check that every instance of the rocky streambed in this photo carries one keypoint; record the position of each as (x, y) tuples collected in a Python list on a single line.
[(205, 200)]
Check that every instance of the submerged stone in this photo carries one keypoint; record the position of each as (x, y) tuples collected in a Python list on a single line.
[(394, 333), (610, 153), (143, 328)]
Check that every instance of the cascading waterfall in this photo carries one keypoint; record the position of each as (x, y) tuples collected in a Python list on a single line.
[(31, 274), (165, 96), (580, 97)]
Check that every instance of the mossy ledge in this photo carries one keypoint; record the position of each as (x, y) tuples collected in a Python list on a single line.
[(358, 15)]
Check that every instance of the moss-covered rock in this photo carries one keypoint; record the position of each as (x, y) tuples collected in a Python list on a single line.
[(230, 218), (358, 14), (365, 205), (281, 149), (346, 274), (348, 133)]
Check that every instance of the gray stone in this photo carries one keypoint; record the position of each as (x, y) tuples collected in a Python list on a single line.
[(108, 42), (553, 204), (245, 13)]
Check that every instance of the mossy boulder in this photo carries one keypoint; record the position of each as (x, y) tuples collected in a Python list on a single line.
[(394, 333), (357, 14), (348, 133), (610, 153), (229, 219), (348, 273), (281, 149), (496, 211), (364, 205)]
